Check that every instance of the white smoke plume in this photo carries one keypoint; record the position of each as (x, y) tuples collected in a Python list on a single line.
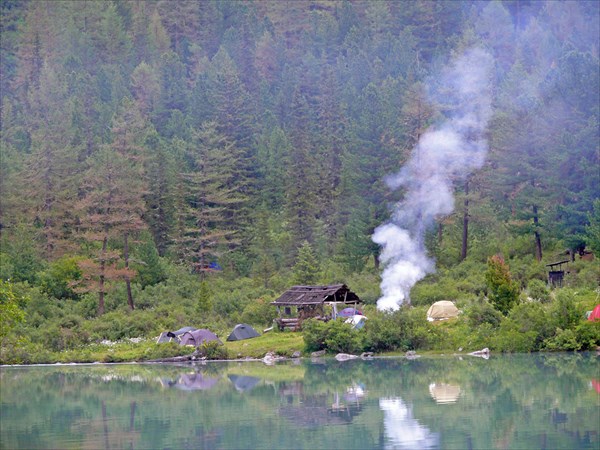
[(444, 154)]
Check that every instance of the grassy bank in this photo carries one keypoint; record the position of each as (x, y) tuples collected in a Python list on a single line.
[(284, 344)]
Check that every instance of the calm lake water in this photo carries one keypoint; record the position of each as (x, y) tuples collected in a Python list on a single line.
[(515, 401)]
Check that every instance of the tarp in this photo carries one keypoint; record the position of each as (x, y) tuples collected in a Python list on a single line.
[(173, 336), (198, 337), (183, 330), (357, 321), (441, 310), (165, 336), (595, 315), (242, 331), (349, 312)]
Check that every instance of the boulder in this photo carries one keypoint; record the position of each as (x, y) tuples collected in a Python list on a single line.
[(345, 357)]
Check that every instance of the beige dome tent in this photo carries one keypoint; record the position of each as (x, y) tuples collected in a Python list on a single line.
[(444, 393), (442, 310)]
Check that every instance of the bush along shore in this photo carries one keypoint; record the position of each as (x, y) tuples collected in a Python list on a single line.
[(555, 322)]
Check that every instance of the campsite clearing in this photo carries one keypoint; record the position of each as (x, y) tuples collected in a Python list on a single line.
[(284, 343)]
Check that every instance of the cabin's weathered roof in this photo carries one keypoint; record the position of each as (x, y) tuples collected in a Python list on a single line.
[(314, 295)]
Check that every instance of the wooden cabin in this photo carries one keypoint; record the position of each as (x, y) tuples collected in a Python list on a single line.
[(304, 302), (556, 274)]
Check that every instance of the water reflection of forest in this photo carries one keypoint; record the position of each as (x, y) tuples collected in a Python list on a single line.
[(530, 401)]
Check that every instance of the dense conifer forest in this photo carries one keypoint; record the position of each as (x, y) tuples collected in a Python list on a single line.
[(166, 162)]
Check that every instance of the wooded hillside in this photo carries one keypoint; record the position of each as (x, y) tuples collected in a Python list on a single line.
[(240, 139)]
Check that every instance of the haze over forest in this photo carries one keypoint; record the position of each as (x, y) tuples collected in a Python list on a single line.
[(241, 138)]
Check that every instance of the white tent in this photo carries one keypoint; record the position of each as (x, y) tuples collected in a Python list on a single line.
[(442, 310)]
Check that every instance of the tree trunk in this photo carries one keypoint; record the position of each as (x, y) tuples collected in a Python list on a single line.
[(105, 425), (465, 230), (538, 240), (127, 279), (102, 276)]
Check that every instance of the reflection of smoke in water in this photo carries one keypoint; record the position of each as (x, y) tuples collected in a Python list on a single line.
[(445, 153), (402, 430)]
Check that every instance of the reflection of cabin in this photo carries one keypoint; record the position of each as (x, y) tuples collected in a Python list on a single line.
[(314, 411), (555, 276), (303, 302)]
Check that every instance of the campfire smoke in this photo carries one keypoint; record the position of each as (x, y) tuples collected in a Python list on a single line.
[(445, 153)]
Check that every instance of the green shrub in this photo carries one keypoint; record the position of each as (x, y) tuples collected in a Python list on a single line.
[(503, 292), (342, 338), (564, 311), (538, 290), (259, 312), (562, 340), (213, 350), (588, 334), (56, 280), (335, 336), (524, 330), (482, 312), (425, 294), (404, 329), (11, 311), (315, 333), (511, 339)]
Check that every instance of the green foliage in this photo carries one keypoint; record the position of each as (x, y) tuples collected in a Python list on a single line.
[(147, 263), (524, 330), (314, 333), (306, 269), (538, 290), (334, 336), (425, 293), (481, 313), (588, 334), (503, 292), (592, 230), (6, 267), (260, 312), (342, 338), (404, 329), (56, 281), (11, 312), (21, 260), (121, 324), (509, 339), (564, 311), (272, 162), (563, 340), (213, 350), (204, 303)]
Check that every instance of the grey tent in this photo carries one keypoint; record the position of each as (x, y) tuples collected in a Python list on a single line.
[(195, 382), (242, 331), (198, 337), (244, 383), (173, 336)]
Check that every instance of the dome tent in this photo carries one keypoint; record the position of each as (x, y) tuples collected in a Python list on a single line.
[(198, 337), (442, 310), (242, 331)]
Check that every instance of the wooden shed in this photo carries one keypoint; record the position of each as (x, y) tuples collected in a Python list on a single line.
[(303, 302), (555, 276)]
